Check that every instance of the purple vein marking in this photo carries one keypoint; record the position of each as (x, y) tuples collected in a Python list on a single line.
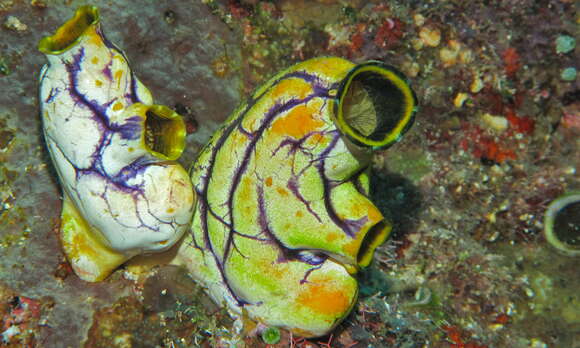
[(216, 145), (276, 110), (53, 93), (326, 184), (127, 131), (286, 254)]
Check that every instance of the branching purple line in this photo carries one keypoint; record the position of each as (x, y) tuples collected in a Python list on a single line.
[(245, 132), (209, 246), (285, 254), (294, 188), (218, 218), (214, 148), (276, 110), (327, 191), (103, 195), (106, 138), (72, 70), (53, 93), (307, 274), (292, 184)]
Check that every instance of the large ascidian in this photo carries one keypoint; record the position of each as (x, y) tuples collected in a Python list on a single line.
[(283, 220), (114, 151)]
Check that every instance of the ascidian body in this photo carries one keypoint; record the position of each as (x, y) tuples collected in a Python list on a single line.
[(283, 220), (113, 150)]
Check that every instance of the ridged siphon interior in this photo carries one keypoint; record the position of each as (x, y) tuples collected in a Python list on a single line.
[(164, 132)]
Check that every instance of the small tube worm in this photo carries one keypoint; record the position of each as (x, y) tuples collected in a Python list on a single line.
[(284, 220), (114, 151)]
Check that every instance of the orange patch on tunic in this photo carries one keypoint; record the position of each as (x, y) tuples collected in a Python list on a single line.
[(80, 245), (374, 213), (272, 269), (324, 298), (334, 68), (269, 181), (296, 88), (297, 123), (94, 38), (332, 237), (238, 140), (245, 189), (282, 191), (117, 106), (118, 74), (317, 139), (365, 208), (351, 249)]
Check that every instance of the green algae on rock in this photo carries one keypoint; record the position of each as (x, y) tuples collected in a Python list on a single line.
[(565, 44)]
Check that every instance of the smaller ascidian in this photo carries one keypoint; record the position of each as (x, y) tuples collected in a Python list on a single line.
[(562, 224), (283, 220), (114, 151)]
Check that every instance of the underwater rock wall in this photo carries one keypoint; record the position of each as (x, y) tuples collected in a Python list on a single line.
[(496, 140)]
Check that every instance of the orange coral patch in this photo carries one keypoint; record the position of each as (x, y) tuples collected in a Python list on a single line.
[(297, 123), (282, 191), (269, 181)]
